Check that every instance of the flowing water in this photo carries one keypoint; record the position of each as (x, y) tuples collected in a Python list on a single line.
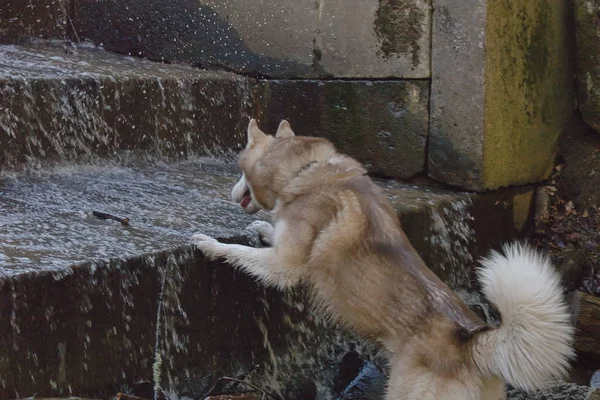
[(452, 237), (47, 219), (85, 103)]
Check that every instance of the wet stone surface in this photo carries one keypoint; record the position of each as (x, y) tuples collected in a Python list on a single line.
[(48, 219), (48, 223), (347, 39), (277, 39), (40, 18), (87, 103), (167, 317), (93, 306)]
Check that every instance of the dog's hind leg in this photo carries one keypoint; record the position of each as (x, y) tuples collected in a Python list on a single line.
[(493, 389), (426, 385), (270, 265), (410, 379)]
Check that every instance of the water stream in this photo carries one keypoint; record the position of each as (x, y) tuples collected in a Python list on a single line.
[(47, 219), (90, 104)]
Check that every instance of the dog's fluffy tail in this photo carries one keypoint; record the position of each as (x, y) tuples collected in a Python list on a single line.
[(533, 345)]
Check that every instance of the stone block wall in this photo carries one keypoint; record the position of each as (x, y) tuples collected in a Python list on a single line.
[(587, 29), (337, 36), (36, 18), (383, 123), (473, 93), (501, 90)]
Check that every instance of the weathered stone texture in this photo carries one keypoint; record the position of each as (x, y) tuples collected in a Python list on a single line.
[(587, 32), (93, 328), (529, 91), (85, 330), (457, 92), (384, 124), (182, 31), (96, 328), (92, 103), (374, 38), (283, 38), (21, 19), (501, 91), (279, 29), (452, 230)]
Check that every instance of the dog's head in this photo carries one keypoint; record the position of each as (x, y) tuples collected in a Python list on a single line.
[(268, 163), (257, 147), (241, 194)]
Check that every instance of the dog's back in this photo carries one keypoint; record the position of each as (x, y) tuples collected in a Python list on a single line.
[(362, 267)]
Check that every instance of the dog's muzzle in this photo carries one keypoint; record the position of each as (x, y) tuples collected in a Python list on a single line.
[(241, 194)]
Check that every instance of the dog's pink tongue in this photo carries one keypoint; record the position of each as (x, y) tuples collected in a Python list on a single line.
[(245, 200)]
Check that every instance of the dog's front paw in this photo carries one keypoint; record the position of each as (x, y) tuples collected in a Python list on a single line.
[(264, 230), (201, 237), (261, 227), (207, 245)]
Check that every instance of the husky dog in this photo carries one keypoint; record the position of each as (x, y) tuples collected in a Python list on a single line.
[(335, 231)]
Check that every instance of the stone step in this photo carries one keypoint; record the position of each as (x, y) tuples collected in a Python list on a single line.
[(83, 103), (499, 87), (308, 39), (94, 305), (49, 223), (384, 124), (91, 305), (87, 103)]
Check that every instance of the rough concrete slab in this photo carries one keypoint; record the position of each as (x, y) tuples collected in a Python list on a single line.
[(501, 91), (166, 317), (49, 222), (384, 124), (279, 29), (37, 18), (135, 313), (278, 39), (220, 323), (374, 38), (47, 215), (587, 37), (86, 329), (92, 103), (457, 92), (452, 230), (182, 31)]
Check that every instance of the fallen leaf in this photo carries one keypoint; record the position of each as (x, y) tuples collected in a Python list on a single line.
[(569, 208), (572, 237)]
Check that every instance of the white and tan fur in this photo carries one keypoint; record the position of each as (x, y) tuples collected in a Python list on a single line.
[(336, 232)]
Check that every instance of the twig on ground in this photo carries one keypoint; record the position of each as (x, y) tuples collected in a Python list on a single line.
[(102, 215), (263, 392), (243, 376)]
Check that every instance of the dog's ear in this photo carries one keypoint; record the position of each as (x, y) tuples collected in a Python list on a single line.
[(255, 135), (284, 130)]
